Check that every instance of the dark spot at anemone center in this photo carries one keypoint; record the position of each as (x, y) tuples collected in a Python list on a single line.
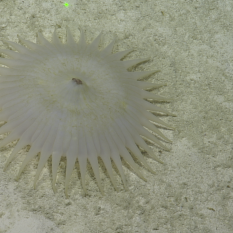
[(77, 81)]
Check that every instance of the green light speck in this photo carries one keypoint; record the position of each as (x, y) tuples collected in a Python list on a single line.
[(66, 4)]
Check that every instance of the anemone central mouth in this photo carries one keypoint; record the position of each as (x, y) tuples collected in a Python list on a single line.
[(77, 81)]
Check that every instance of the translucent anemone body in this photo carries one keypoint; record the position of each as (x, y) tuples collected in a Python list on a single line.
[(76, 101)]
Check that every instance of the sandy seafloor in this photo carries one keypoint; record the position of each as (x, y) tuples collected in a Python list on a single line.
[(191, 43)]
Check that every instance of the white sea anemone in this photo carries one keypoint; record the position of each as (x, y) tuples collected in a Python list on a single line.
[(75, 101)]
